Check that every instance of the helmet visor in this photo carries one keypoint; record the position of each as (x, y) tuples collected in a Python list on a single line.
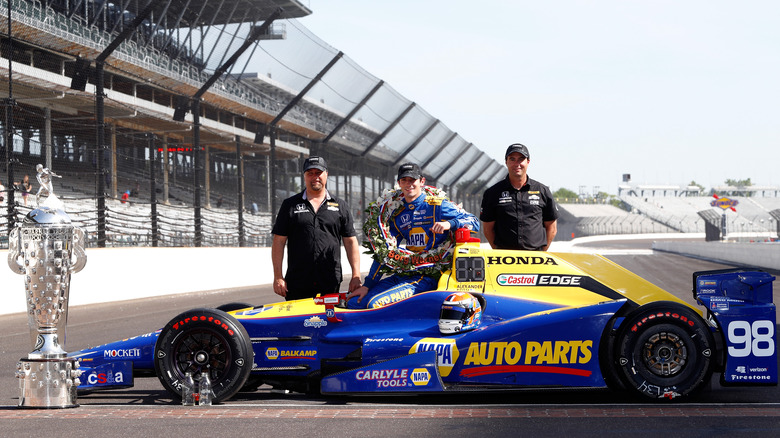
[(456, 313)]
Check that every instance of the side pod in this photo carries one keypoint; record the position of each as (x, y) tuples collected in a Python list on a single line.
[(414, 373)]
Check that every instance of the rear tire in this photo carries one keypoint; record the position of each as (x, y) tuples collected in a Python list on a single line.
[(204, 341), (665, 351)]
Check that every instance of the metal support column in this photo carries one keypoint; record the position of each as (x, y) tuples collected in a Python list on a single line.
[(47, 136), (100, 152), (154, 163), (272, 174), (206, 176), (241, 185), (166, 169), (196, 172), (114, 173)]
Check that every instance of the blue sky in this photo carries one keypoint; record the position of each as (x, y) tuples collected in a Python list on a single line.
[(667, 91)]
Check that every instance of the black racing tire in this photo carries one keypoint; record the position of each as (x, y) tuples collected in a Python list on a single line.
[(665, 351), (204, 340)]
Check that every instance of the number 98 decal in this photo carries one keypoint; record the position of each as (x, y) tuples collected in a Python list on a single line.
[(756, 339)]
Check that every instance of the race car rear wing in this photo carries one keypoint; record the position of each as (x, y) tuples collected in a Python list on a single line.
[(741, 304)]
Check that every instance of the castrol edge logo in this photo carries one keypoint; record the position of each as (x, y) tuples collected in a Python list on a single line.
[(538, 280)]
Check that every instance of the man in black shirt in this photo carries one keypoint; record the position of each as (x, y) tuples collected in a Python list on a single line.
[(312, 224), (518, 212)]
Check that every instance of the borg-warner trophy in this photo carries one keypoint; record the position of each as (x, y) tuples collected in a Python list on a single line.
[(46, 248)]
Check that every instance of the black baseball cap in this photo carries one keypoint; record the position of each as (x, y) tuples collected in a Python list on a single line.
[(517, 147), (315, 163), (409, 169)]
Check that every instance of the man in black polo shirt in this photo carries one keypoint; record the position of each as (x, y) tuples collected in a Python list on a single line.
[(518, 212), (312, 224)]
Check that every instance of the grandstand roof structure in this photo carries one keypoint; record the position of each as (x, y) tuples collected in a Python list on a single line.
[(213, 90), (202, 12), (282, 79)]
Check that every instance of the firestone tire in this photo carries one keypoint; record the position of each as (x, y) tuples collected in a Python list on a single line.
[(204, 340), (665, 351)]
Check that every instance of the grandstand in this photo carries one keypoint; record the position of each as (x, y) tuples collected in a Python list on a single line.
[(677, 209), (189, 102), (580, 220), (666, 208), (752, 215)]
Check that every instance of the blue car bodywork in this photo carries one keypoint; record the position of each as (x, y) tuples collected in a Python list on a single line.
[(549, 321)]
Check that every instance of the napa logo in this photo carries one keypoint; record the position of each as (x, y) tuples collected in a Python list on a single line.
[(272, 353), (446, 352), (417, 240), (420, 376)]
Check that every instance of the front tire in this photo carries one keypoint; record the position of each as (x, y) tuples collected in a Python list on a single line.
[(204, 341), (665, 351)]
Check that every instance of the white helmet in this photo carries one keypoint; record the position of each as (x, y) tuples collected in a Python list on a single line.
[(460, 312)]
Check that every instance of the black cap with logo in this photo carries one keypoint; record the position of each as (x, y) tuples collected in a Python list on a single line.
[(315, 163), (410, 170), (517, 147)]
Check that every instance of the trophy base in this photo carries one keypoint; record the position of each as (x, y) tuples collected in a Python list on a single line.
[(48, 383)]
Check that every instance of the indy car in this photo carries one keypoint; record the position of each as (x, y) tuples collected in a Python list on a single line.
[(499, 320)]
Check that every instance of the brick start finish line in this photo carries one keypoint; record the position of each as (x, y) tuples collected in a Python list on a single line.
[(772, 410)]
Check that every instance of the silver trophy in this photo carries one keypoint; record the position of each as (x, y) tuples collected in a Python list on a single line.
[(46, 249)]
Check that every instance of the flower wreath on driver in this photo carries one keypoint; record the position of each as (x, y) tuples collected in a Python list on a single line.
[(383, 246)]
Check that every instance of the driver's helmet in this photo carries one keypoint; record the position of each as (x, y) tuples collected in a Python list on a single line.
[(460, 312)]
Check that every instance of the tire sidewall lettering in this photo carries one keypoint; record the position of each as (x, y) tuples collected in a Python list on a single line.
[(233, 337), (678, 323)]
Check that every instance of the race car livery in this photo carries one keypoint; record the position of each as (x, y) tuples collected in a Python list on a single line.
[(547, 320)]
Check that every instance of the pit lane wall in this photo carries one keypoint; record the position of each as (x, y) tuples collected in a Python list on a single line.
[(118, 274)]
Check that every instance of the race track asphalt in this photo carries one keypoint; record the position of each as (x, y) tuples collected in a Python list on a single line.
[(147, 410)]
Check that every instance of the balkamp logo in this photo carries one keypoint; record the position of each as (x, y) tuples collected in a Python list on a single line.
[(272, 353), (724, 203), (446, 351), (315, 321), (521, 260), (298, 354)]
